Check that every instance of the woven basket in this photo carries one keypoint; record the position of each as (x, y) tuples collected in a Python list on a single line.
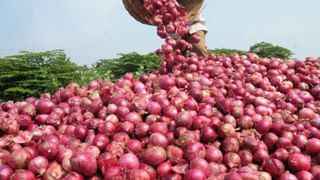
[(137, 10)]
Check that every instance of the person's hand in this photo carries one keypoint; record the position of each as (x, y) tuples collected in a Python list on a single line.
[(137, 10)]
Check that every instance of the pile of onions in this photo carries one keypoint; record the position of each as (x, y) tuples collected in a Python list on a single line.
[(216, 117)]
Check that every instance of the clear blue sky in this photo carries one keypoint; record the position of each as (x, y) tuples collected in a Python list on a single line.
[(89, 30)]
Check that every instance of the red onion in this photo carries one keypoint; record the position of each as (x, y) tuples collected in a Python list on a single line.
[(263, 126), (261, 155), (245, 122), (154, 155), (101, 141), (138, 174), (38, 165), (83, 162), (174, 153), (200, 163), (195, 150), (48, 149), (93, 150), (298, 162), (195, 174), (227, 130), (284, 142), (149, 169), (200, 122), (157, 139), (22, 174), (164, 168), (306, 114), (230, 144), (18, 159), (159, 127), (154, 108), (170, 111), (129, 161), (214, 154), (274, 166), (4, 154), (66, 164), (80, 131), (313, 146), (245, 156), (184, 119), (232, 175), (208, 134), (287, 176), (305, 175), (270, 139), (113, 172), (141, 129), (281, 154), (5, 172), (134, 146), (73, 176), (232, 160), (54, 171), (300, 141), (45, 106), (127, 127)]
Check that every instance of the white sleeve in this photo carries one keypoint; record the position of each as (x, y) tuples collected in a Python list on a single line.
[(199, 24)]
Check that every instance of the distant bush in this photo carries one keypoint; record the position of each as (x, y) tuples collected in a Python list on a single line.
[(268, 50), (227, 52), (113, 69), (31, 74)]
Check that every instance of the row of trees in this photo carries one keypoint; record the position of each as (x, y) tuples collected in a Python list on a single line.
[(31, 74)]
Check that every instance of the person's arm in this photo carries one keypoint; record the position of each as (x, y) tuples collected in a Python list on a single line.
[(198, 27)]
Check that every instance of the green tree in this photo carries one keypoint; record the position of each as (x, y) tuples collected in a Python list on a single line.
[(113, 69), (226, 51), (31, 74), (268, 50)]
